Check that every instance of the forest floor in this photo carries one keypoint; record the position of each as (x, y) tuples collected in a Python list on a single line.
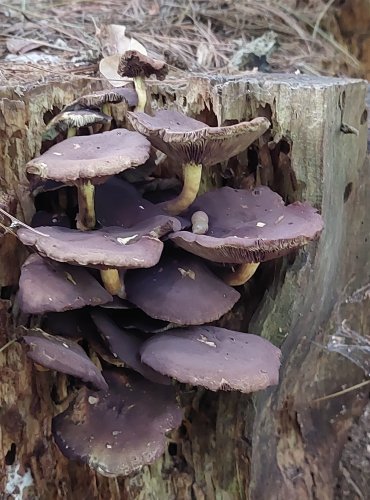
[(51, 38)]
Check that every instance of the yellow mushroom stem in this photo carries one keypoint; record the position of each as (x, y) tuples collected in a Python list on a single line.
[(192, 174), (140, 88), (106, 109), (113, 282), (72, 132), (241, 275), (86, 206)]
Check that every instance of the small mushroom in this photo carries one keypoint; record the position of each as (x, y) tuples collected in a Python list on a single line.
[(71, 121), (50, 286), (180, 289), (247, 227), (199, 222), (194, 144), (134, 64), (89, 160), (125, 345), (119, 431), (215, 358), (101, 99), (65, 356), (110, 250)]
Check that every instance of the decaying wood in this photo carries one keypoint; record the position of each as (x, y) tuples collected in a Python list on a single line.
[(279, 444)]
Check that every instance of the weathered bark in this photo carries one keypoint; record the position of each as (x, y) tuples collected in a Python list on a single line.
[(277, 444)]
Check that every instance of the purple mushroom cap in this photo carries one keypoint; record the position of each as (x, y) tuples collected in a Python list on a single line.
[(50, 286), (180, 289), (65, 356), (91, 157), (119, 431), (112, 247), (249, 226), (125, 345), (215, 358), (190, 141)]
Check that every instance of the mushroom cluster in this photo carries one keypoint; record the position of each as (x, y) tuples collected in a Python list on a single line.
[(127, 291)]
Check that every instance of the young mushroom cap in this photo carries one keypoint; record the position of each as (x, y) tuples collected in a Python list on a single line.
[(112, 247), (50, 286), (215, 358), (180, 289), (190, 141), (73, 119), (249, 226), (135, 64), (65, 356), (126, 345), (97, 99), (91, 157), (119, 431)]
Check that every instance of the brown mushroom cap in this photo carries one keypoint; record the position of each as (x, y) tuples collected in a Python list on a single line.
[(96, 99), (119, 431), (126, 345), (112, 247), (190, 141), (65, 356), (249, 226), (180, 289), (215, 358), (92, 156), (133, 63), (51, 286)]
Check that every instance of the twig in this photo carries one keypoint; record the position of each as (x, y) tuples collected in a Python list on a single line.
[(344, 391), (8, 344)]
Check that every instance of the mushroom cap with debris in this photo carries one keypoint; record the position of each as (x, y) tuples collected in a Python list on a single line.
[(180, 289), (112, 247), (249, 226), (95, 100), (215, 358), (190, 141), (46, 286), (91, 157), (65, 356), (135, 64), (120, 430)]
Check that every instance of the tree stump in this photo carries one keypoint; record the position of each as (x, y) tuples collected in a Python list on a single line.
[(277, 444)]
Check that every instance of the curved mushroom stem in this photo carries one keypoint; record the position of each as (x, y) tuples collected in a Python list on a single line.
[(192, 174), (243, 273), (113, 282), (141, 93), (86, 206), (71, 132)]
